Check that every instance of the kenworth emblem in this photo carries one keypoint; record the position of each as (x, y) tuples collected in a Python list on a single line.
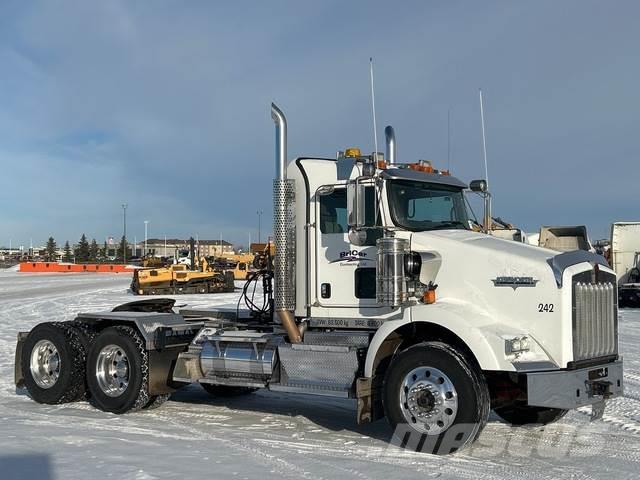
[(514, 282)]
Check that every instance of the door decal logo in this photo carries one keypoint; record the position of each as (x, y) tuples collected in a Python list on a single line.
[(350, 256)]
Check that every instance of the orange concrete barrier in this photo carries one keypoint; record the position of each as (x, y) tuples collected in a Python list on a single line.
[(54, 267)]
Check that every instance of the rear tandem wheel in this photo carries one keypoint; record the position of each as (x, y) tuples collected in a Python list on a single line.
[(118, 371), (53, 363)]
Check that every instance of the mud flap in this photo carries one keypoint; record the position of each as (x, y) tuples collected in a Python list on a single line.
[(369, 398), (18, 374)]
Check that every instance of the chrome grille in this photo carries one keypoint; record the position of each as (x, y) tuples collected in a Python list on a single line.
[(595, 322)]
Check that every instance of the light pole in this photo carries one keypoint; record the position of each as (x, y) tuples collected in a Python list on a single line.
[(146, 224), (259, 213), (165, 246), (124, 229)]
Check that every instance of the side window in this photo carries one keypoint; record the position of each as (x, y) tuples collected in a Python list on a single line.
[(365, 283), (333, 212)]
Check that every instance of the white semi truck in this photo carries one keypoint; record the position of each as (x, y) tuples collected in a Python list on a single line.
[(380, 291)]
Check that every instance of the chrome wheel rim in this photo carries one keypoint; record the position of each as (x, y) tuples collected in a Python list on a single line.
[(45, 364), (428, 400), (112, 370)]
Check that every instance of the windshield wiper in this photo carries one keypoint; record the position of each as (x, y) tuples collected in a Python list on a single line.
[(447, 224)]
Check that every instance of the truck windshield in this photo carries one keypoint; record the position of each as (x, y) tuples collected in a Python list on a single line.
[(427, 206)]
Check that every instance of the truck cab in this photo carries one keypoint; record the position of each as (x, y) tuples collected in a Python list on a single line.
[(381, 290)]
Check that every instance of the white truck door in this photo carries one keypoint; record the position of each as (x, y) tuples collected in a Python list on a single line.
[(345, 273)]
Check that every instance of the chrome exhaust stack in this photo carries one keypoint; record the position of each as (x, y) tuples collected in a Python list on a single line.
[(390, 137), (284, 290)]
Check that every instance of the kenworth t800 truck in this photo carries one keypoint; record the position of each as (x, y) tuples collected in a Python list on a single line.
[(380, 290)]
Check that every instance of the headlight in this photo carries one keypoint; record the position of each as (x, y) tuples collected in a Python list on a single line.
[(517, 345)]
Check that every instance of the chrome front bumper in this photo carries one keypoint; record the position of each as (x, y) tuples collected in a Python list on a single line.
[(568, 389)]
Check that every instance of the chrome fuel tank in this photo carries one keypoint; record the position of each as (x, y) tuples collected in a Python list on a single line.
[(239, 354)]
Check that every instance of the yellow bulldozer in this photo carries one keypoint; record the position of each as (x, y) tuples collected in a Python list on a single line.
[(245, 264), (179, 279), (241, 264)]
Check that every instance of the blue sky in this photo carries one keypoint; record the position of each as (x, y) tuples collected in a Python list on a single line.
[(165, 106)]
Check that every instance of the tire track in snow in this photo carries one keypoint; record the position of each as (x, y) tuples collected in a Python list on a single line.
[(284, 467), (623, 423), (272, 444)]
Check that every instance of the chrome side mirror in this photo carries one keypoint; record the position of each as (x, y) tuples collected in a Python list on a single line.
[(356, 214), (479, 186), (357, 237)]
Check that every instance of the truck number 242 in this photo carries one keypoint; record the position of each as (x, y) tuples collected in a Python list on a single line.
[(545, 307)]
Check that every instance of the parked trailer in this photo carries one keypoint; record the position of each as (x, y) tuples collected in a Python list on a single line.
[(565, 238), (625, 260), (380, 291)]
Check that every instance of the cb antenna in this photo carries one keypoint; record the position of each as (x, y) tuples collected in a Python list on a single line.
[(449, 139), (373, 107), (484, 141)]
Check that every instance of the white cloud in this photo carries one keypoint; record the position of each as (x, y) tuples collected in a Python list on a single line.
[(166, 107)]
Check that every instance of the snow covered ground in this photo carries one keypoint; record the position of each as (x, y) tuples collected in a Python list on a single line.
[(270, 435)]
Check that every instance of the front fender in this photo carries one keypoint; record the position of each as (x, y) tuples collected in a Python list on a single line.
[(481, 334)]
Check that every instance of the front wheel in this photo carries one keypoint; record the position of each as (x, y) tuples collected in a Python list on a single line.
[(525, 415), (118, 371), (435, 399)]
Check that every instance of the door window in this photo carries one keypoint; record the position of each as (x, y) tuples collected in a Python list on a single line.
[(333, 210)]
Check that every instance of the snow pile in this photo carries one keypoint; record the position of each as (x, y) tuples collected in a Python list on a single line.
[(15, 268), (271, 435)]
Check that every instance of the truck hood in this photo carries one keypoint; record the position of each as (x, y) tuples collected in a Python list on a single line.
[(481, 243), (476, 259), (474, 273)]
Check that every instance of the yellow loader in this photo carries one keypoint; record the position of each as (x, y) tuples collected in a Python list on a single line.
[(178, 279)]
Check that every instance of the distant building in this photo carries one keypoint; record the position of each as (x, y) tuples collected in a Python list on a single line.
[(206, 248)]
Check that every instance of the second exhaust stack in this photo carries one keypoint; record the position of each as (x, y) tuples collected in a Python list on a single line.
[(390, 136)]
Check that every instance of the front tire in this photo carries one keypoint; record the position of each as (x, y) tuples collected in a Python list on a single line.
[(118, 371), (53, 362), (435, 399), (526, 415)]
